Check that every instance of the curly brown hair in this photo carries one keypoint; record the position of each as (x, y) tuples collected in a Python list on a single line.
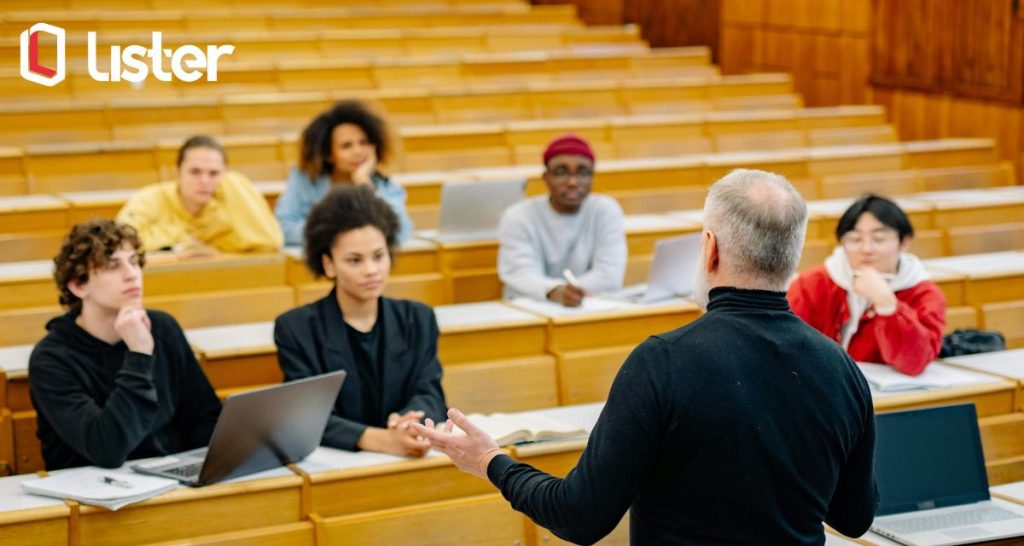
[(87, 248), (315, 147), (343, 209)]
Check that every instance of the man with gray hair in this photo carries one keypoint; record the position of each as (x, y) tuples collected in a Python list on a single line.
[(745, 426)]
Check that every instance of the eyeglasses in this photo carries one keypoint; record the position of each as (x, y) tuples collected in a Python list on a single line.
[(562, 175), (854, 241)]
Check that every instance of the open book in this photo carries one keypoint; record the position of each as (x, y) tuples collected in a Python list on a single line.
[(884, 378), (110, 489), (507, 429)]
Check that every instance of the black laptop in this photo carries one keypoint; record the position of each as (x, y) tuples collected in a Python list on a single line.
[(931, 477)]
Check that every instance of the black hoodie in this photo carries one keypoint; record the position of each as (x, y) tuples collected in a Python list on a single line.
[(101, 404)]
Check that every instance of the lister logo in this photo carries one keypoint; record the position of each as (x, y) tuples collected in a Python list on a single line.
[(31, 69), (132, 63)]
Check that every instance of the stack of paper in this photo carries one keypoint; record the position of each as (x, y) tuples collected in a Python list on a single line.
[(591, 304), (110, 489), (884, 378)]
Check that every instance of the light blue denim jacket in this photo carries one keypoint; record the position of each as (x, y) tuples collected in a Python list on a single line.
[(299, 197)]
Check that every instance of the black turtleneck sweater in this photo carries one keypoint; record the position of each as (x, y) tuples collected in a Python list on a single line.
[(101, 404), (746, 426)]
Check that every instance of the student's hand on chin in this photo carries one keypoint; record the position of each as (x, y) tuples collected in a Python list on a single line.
[(869, 283), (364, 172), (133, 325)]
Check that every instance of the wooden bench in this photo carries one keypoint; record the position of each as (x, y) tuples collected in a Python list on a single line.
[(271, 18)]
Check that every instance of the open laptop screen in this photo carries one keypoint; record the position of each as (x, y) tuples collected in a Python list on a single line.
[(929, 458)]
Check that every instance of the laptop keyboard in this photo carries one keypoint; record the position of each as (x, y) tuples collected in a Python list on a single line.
[(186, 471), (948, 520)]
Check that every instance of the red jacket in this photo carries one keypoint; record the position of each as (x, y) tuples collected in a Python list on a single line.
[(907, 340)]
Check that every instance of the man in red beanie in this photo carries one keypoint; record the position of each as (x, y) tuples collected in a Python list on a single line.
[(568, 229)]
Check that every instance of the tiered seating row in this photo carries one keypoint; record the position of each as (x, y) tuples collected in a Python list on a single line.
[(265, 114), (199, 5), (436, 71), (277, 18), (365, 43)]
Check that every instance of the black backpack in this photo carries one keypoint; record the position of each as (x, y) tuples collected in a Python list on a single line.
[(971, 341)]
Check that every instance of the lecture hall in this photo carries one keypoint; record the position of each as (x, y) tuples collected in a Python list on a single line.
[(599, 272)]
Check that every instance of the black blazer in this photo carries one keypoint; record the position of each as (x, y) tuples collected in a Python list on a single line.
[(312, 340)]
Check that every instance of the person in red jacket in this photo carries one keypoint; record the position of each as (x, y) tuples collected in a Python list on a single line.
[(871, 296)]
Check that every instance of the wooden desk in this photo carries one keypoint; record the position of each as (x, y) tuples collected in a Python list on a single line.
[(991, 394), (166, 274), (495, 358), (991, 278), (470, 269), (94, 204), (30, 284), (953, 285), (345, 483), (591, 346), (1002, 437), (14, 363), (269, 498), (27, 284), (950, 152), (975, 207), (27, 213), (18, 444), (29, 519), (238, 355), (1007, 364), (31, 226)]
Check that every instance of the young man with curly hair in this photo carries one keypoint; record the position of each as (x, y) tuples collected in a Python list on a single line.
[(113, 381)]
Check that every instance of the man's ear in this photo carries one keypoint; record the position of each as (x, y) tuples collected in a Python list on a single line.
[(709, 252), (77, 289)]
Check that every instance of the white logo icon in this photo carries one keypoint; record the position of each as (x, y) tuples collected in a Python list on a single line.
[(31, 69)]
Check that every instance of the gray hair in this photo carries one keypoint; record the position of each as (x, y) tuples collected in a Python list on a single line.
[(759, 221)]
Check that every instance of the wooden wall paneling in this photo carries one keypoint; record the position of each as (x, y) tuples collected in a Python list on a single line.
[(972, 48)]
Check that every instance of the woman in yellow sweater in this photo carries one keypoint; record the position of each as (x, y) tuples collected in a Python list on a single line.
[(206, 208)]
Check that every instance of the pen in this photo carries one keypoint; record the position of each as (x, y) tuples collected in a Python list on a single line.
[(116, 482), (570, 278)]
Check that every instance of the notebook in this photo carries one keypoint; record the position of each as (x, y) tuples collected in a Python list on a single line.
[(257, 430), (471, 211), (673, 272), (932, 484), (884, 378), (110, 489)]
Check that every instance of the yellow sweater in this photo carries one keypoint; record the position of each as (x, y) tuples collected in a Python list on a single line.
[(237, 218)]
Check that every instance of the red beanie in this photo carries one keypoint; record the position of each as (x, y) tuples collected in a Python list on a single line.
[(568, 144)]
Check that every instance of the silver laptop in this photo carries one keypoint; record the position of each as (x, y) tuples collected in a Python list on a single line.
[(673, 272), (257, 430), (471, 211), (932, 484)]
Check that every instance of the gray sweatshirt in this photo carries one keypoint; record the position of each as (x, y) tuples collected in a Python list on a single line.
[(537, 243)]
